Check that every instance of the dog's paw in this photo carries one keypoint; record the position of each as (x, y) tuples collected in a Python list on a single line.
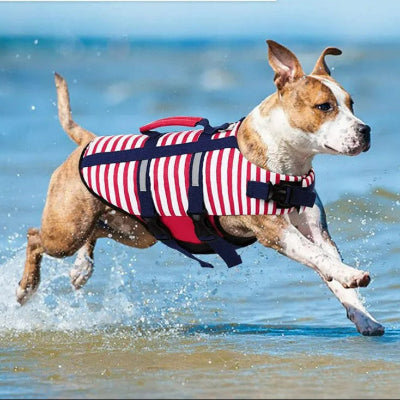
[(81, 272), (372, 330), (364, 324), (23, 295), (360, 279)]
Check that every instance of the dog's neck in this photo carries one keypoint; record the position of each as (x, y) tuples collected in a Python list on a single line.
[(264, 139)]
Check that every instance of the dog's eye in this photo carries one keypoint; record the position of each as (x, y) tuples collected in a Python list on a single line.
[(325, 107)]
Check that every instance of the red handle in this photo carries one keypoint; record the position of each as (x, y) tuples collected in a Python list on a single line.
[(170, 121)]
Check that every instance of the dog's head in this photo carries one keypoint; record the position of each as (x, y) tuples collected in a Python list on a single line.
[(318, 110)]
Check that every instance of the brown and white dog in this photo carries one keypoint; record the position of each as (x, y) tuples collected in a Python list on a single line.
[(308, 115)]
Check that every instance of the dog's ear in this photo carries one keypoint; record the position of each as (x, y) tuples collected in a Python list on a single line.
[(285, 64), (320, 67)]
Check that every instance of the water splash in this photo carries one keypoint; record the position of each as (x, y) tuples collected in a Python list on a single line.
[(56, 305), (115, 296)]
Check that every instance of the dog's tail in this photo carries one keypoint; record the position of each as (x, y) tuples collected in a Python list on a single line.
[(78, 134)]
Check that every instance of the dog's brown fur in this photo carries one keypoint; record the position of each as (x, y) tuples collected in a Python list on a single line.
[(71, 215)]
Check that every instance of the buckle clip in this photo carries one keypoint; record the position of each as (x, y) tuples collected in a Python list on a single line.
[(202, 227), (157, 229), (281, 194)]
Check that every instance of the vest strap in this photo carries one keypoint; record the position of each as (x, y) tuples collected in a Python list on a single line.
[(195, 192), (285, 194), (207, 234), (204, 231), (143, 178), (150, 152), (162, 233)]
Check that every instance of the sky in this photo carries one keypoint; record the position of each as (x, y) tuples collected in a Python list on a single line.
[(342, 19)]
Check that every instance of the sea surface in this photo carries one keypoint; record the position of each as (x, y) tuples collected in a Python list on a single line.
[(152, 323)]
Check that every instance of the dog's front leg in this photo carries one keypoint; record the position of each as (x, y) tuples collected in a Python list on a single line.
[(279, 233), (365, 323), (312, 224)]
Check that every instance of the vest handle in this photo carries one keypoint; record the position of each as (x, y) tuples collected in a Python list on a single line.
[(174, 121)]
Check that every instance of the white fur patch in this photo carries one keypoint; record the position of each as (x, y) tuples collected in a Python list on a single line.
[(340, 95), (339, 135)]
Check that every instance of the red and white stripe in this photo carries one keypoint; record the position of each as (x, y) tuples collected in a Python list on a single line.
[(225, 176), (115, 182), (169, 176)]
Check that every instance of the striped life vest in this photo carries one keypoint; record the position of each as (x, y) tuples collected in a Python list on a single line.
[(178, 183)]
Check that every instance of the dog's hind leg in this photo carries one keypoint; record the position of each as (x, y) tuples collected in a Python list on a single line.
[(84, 264), (114, 225), (31, 275), (68, 221)]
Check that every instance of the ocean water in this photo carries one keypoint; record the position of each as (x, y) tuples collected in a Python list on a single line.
[(152, 323)]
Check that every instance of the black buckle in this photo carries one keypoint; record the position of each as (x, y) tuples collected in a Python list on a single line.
[(281, 194), (157, 228), (204, 231)]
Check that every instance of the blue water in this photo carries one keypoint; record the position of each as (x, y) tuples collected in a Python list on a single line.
[(157, 301)]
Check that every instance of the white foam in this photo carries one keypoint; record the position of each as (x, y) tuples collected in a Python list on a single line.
[(113, 297), (56, 305)]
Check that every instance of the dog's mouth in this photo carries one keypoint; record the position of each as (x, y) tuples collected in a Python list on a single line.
[(367, 147), (331, 149), (350, 152)]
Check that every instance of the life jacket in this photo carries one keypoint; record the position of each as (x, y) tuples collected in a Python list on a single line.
[(179, 183)]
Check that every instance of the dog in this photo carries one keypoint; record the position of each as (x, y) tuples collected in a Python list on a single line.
[(307, 115)]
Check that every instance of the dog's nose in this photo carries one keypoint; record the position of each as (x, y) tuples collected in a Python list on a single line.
[(365, 132)]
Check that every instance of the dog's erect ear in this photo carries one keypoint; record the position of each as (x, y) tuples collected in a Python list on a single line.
[(320, 67), (285, 64)]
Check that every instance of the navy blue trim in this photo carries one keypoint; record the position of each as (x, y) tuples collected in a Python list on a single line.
[(150, 152)]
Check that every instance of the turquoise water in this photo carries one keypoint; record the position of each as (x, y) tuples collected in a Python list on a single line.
[(153, 323)]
